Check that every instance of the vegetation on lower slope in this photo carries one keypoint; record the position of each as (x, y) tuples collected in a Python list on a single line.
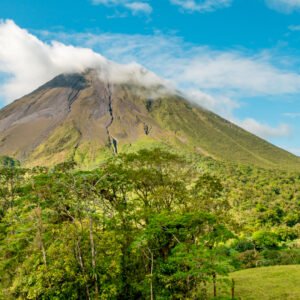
[(6, 161), (145, 225)]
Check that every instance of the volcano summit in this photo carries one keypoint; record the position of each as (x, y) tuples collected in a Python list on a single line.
[(85, 117)]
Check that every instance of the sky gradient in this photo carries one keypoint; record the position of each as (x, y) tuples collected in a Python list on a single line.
[(239, 58)]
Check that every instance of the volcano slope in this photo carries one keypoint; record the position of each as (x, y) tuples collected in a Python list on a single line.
[(84, 118)]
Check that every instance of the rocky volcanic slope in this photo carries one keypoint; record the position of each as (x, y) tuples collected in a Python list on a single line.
[(80, 117)]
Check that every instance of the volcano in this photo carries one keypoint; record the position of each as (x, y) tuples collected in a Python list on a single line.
[(85, 118)]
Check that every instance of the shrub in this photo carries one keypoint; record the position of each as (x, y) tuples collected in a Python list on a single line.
[(281, 257), (266, 240), (249, 259)]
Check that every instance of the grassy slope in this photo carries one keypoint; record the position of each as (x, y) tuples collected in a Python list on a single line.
[(268, 283), (212, 135)]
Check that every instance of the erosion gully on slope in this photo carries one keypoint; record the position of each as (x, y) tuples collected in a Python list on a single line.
[(112, 141)]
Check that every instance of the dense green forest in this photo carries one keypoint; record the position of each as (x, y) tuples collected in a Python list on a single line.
[(146, 225)]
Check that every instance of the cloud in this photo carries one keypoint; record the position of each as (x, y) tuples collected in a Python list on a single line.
[(284, 6), (136, 7), (292, 115), (238, 74), (221, 104), (216, 80), (294, 27), (232, 73), (202, 5), (28, 62), (139, 7), (264, 130)]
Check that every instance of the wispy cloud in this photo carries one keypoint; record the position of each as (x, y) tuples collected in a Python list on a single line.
[(264, 130), (28, 63), (233, 73), (284, 6), (294, 27), (136, 7), (139, 7), (292, 114), (202, 6), (221, 104)]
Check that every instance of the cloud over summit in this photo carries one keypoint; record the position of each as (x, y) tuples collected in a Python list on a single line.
[(217, 80), (28, 62)]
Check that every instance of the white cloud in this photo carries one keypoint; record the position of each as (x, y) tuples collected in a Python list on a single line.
[(217, 80), (202, 5), (230, 73), (214, 79), (136, 7), (264, 130), (239, 74), (30, 62), (220, 104), (139, 7), (284, 6)]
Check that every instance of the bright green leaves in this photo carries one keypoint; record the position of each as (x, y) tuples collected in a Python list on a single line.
[(146, 225)]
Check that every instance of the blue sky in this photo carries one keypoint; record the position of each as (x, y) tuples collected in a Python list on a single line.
[(239, 58)]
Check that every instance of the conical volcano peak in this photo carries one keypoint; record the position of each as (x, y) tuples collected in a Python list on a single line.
[(103, 111), (132, 73), (75, 80), (72, 80), (112, 74)]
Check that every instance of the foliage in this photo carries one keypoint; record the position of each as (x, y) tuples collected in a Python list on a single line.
[(6, 161), (144, 225)]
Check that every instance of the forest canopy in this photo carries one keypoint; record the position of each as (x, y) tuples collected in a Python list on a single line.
[(145, 225)]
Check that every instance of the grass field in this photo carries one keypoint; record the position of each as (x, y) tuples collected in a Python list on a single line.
[(268, 283)]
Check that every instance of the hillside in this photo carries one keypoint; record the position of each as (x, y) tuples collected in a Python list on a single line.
[(269, 283), (80, 117)]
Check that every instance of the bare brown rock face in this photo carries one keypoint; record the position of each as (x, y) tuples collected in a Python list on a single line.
[(84, 118)]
